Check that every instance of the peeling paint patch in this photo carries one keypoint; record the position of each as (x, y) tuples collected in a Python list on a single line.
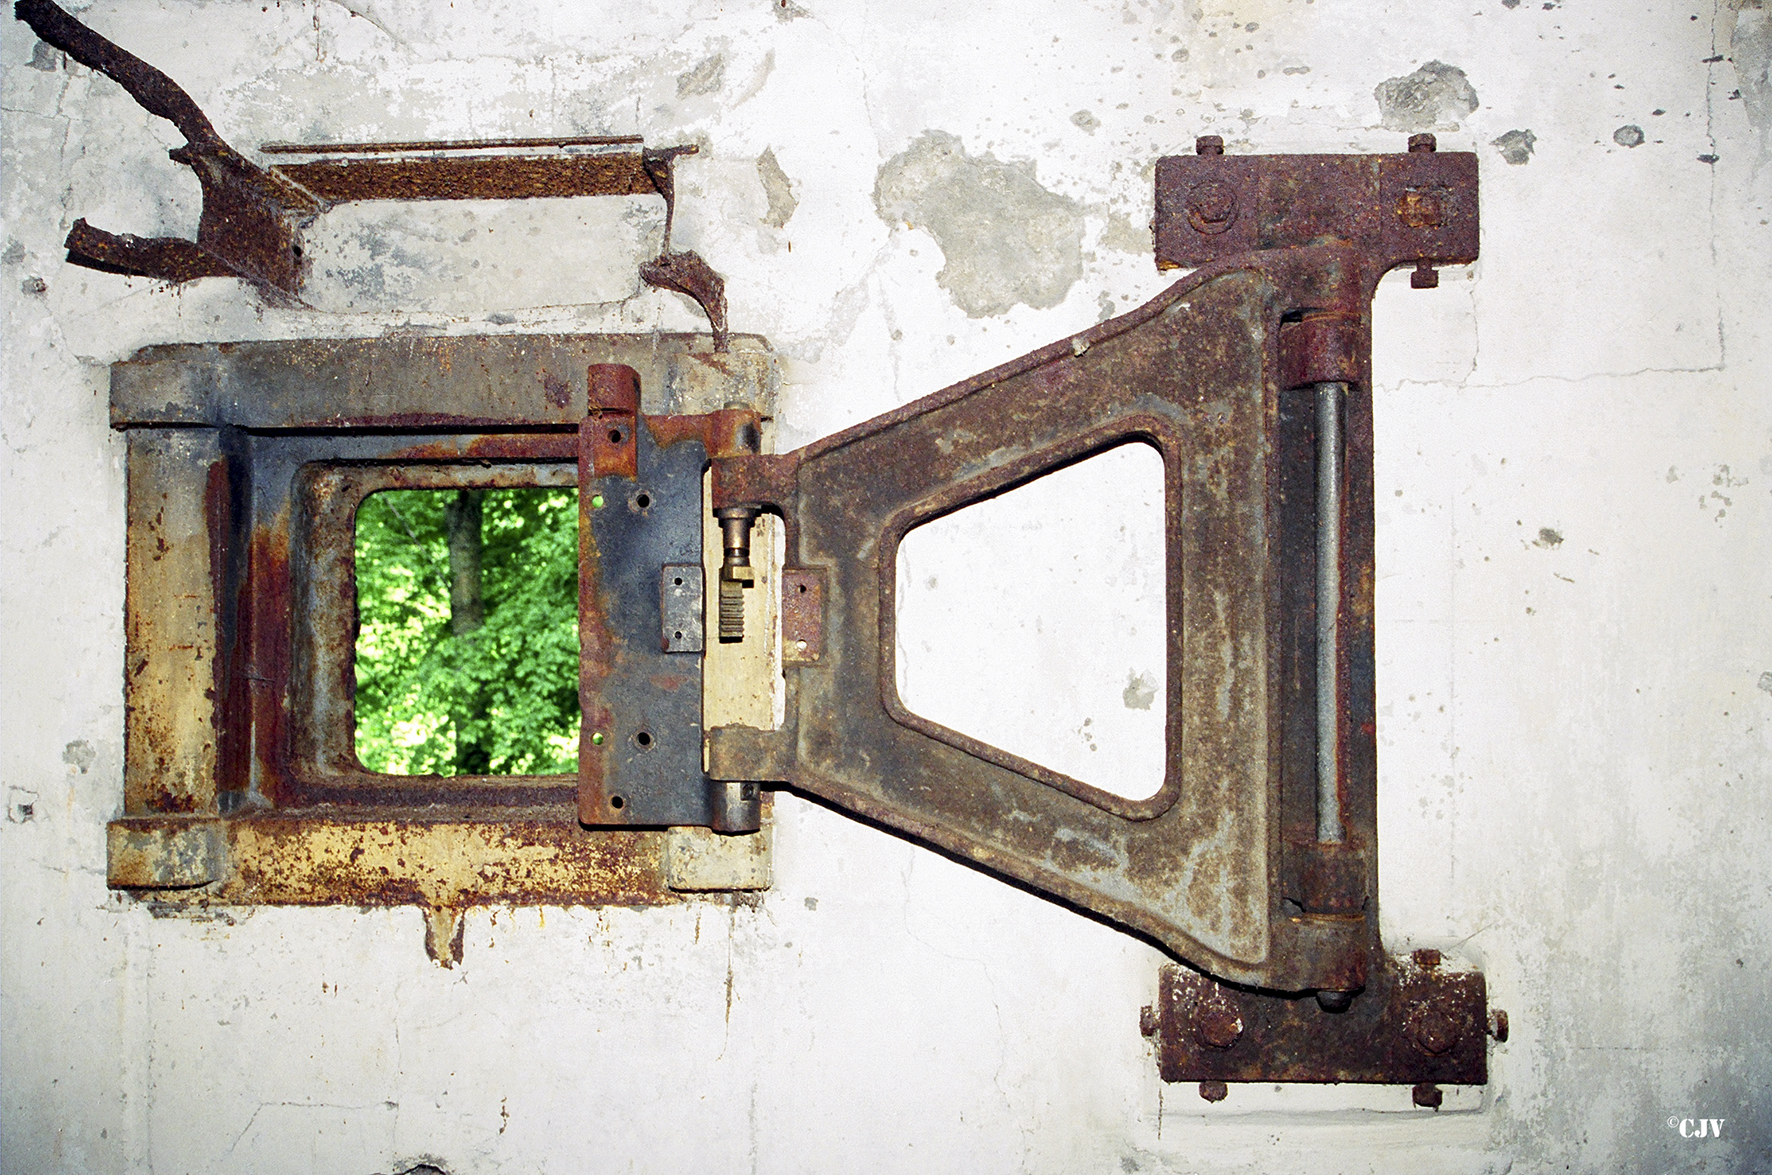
[(1548, 538), (1122, 235), (1006, 239), (1434, 97), (1085, 121), (79, 753), (1516, 146), (21, 805), (705, 78), (1140, 691), (1750, 46), (778, 188), (1629, 135)]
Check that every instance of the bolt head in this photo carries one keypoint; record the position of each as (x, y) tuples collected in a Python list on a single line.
[(1209, 145), (1435, 1034), (1498, 1025), (1423, 144), (1426, 958), (1147, 1021), (1214, 1091), (1427, 1095), (1425, 277), (1217, 1025)]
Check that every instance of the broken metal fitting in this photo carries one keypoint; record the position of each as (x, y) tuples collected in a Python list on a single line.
[(253, 217), (735, 567)]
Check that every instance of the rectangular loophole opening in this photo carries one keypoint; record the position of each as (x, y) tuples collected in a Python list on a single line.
[(466, 631)]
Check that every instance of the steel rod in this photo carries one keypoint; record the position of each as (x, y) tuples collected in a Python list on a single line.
[(1329, 450)]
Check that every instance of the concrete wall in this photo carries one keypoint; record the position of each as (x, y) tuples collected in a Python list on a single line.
[(1574, 548)]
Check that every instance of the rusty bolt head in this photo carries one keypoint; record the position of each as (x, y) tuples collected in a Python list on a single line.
[(1209, 145), (1427, 1095), (1335, 1001), (1217, 1025), (1212, 207), (1435, 1034), (1425, 277), (1426, 958), (1147, 1021), (1214, 1091), (1498, 1025), (1423, 144)]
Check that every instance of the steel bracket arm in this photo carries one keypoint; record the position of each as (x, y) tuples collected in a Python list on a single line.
[(1256, 859)]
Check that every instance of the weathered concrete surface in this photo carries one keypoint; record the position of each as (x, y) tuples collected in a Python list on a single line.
[(1574, 744)]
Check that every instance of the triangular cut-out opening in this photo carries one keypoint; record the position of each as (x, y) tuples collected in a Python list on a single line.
[(1034, 621)]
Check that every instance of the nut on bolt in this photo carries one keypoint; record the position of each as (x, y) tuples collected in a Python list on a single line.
[(1217, 1025)]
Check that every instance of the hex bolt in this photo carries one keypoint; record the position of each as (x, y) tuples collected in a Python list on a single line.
[(1335, 1001), (1498, 1025), (1435, 1034), (1214, 1091), (1427, 958), (1209, 145), (1427, 1095), (1423, 144), (1147, 1021), (1217, 1025)]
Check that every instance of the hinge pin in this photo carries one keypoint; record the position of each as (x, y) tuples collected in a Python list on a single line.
[(735, 569)]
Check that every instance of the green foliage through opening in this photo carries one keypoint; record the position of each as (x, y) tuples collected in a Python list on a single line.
[(467, 641)]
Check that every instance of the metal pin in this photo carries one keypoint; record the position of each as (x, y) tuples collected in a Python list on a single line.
[(1329, 449), (735, 569)]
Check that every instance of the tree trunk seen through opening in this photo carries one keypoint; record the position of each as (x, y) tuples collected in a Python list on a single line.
[(467, 615)]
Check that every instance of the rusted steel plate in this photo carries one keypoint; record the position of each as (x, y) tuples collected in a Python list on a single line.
[(802, 616), (410, 858), (1404, 208), (472, 177), (1410, 1025), (166, 853), (466, 383), (179, 494), (639, 510)]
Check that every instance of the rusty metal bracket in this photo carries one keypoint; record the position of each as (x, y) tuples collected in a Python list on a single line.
[(1256, 861), (1414, 1024), (640, 517), (253, 217)]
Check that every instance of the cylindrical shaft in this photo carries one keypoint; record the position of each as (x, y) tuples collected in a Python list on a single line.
[(1329, 451)]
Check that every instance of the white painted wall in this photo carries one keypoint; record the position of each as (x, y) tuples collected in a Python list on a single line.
[(1575, 557)]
